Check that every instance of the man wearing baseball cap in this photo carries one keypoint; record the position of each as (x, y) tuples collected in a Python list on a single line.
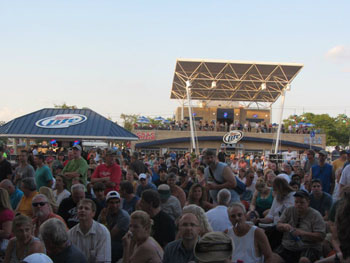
[(144, 184), (117, 221), (77, 167)]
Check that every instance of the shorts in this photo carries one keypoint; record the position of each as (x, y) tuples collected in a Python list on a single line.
[(289, 256)]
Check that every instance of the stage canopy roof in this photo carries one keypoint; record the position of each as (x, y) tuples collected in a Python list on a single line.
[(222, 80), (65, 124)]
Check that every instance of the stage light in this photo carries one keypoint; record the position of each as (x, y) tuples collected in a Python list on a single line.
[(213, 84), (263, 86)]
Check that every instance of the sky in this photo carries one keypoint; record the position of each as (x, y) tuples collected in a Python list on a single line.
[(119, 56)]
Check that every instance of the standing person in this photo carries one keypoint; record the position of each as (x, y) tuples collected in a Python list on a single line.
[(24, 243), (14, 193), (138, 245), (117, 221), (24, 169), (162, 177), (164, 226), (222, 155), (336, 153), (251, 244), (108, 173), (339, 163), (311, 161), (91, 237), (181, 250), (55, 237), (43, 175), (219, 176), (75, 168), (5, 166), (323, 172)]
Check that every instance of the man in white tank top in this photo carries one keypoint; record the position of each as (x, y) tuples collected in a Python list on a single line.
[(245, 235)]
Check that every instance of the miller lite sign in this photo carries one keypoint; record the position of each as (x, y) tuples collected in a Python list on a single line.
[(232, 137), (61, 121)]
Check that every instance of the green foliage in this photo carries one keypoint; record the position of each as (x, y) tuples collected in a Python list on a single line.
[(129, 120), (337, 129), (65, 106)]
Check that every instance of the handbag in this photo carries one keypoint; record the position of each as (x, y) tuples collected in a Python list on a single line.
[(240, 186)]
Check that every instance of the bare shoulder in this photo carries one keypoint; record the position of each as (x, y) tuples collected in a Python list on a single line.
[(259, 234)]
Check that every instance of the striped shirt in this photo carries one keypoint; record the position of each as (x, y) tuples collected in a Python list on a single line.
[(95, 244)]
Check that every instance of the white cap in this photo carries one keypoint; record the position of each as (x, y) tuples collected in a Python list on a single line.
[(112, 194), (142, 176), (37, 258), (284, 176)]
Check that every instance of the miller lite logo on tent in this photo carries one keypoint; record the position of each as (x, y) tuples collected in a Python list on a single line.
[(61, 121), (233, 136)]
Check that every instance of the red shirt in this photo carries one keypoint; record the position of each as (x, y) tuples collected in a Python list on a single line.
[(114, 172)]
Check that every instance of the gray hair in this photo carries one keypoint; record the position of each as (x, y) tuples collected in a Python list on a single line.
[(224, 197), (55, 231), (29, 183), (201, 216), (237, 204), (80, 187), (42, 196)]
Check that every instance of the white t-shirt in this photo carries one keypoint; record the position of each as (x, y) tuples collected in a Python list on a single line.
[(218, 218), (277, 207), (345, 176)]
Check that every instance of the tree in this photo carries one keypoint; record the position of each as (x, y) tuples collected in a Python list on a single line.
[(65, 106), (129, 120), (337, 129)]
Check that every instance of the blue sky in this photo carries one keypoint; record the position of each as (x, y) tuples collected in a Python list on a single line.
[(119, 56)]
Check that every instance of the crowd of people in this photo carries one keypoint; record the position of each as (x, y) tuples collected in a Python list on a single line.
[(220, 126), (108, 205)]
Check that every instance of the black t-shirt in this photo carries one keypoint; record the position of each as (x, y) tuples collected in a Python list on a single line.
[(69, 212), (222, 157), (159, 182), (5, 169), (69, 255), (138, 167), (163, 228)]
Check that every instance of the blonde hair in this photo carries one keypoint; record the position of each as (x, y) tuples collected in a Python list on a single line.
[(4, 199), (50, 197), (144, 218), (201, 216)]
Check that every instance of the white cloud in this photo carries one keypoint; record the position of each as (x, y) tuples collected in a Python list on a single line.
[(6, 114), (339, 53)]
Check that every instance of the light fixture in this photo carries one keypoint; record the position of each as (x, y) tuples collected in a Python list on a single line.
[(188, 83), (213, 84), (263, 86), (288, 87)]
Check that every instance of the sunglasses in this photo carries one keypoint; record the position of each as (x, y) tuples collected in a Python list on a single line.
[(39, 204)]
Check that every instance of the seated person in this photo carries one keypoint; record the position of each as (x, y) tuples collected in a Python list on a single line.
[(319, 200), (303, 231)]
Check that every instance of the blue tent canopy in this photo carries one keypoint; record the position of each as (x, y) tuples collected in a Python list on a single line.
[(83, 124)]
